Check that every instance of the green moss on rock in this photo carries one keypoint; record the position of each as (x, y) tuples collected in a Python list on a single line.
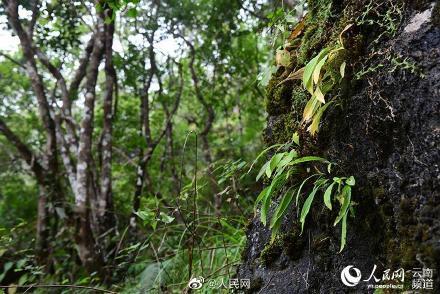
[(283, 126), (271, 252), (316, 31), (278, 98)]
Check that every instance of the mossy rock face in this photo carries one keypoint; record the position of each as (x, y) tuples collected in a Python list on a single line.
[(280, 98), (383, 130), (271, 252)]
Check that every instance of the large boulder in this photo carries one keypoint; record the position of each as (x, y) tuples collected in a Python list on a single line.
[(384, 131)]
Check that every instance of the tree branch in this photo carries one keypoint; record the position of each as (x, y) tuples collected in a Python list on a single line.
[(24, 151), (12, 60), (208, 107), (37, 82), (80, 72)]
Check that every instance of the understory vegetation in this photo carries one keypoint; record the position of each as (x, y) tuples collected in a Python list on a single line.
[(126, 128)]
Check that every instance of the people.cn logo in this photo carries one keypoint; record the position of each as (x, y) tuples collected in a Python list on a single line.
[(196, 283), (348, 279)]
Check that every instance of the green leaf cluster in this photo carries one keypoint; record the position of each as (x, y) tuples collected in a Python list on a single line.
[(318, 80), (340, 195), (287, 165), (152, 218)]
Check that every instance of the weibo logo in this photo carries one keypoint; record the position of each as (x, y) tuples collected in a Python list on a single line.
[(348, 279)]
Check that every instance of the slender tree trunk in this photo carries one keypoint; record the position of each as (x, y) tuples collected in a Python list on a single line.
[(140, 182), (171, 156), (50, 160), (105, 209), (145, 131), (91, 259), (42, 243)]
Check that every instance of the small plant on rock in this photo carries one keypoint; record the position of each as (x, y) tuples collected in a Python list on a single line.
[(318, 80), (288, 165), (319, 77)]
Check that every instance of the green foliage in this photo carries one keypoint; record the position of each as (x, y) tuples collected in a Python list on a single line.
[(180, 181), (288, 165), (17, 198), (278, 29), (319, 78), (384, 18), (213, 242), (151, 218), (64, 18), (341, 195), (391, 62)]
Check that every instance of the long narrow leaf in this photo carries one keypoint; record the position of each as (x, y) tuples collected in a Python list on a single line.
[(306, 207), (314, 126), (343, 232), (309, 68), (281, 209), (300, 188), (261, 196), (262, 170), (265, 206), (346, 192), (317, 70), (309, 109), (261, 154), (319, 95), (268, 171), (287, 159), (307, 159), (307, 76), (327, 196), (275, 160), (266, 199)]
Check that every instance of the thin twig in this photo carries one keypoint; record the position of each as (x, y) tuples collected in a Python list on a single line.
[(12, 60)]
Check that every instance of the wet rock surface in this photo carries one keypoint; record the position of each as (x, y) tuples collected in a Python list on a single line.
[(386, 135)]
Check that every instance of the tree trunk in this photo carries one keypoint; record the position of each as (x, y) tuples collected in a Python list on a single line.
[(105, 202), (48, 168), (42, 242), (90, 258)]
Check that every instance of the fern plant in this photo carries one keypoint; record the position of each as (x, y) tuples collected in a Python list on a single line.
[(287, 164)]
